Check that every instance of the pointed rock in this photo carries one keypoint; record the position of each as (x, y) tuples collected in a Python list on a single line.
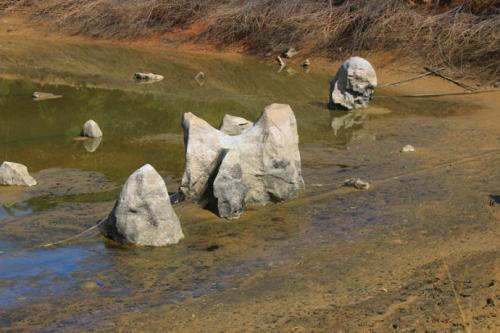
[(143, 215), (353, 85), (91, 129), (15, 174), (232, 125)]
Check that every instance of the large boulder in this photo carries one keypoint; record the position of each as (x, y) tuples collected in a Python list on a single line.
[(353, 85), (91, 129), (232, 125), (15, 174), (261, 165), (143, 215)]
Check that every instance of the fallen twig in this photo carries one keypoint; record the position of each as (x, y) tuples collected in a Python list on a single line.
[(408, 80), (441, 94), (460, 84)]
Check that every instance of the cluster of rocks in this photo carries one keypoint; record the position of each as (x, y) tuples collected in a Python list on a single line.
[(257, 163), (239, 163)]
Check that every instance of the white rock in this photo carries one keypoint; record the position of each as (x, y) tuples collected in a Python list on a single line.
[(290, 53), (408, 149), (91, 129), (147, 77), (42, 96), (232, 125), (262, 164), (357, 183), (143, 215), (353, 85), (15, 174)]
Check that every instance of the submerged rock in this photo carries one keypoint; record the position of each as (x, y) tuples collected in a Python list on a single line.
[(261, 165), (91, 129), (143, 215), (42, 96), (147, 77), (353, 85), (232, 125), (357, 183), (15, 174)]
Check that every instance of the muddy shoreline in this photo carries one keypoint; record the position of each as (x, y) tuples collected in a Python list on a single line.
[(418, 252)]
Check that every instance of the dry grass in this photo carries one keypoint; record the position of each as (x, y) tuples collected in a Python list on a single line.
[(461, 35)]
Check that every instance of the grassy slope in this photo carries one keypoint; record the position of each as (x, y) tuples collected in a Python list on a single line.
[(463, 36)]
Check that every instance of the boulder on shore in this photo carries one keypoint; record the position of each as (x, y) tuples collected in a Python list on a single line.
[(15, 174), (232, 125), (353, 85), (143, 215), (261, 165), (91, 129)]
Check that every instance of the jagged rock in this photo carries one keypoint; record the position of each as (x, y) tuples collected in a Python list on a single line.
[(232, 125), (408, 149), (357, 183), (15, 174), (290, 53), (229, 188), (353, 85), (91, 129), (147, 77), (262, 164), (42, 96), (143, 215)]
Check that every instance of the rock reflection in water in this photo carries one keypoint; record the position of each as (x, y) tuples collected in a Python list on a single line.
[(346, 123), (91, 145)]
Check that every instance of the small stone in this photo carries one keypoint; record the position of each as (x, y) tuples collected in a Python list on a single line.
[(408, 149), (91, 129), (357, 183), (13, 174), (490, 302), (290, 53), (42, 96), (147, 77), (280, 61), (200, 76), (306, 63)]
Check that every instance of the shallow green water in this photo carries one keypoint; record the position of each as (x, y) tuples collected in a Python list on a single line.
[(96, 82)]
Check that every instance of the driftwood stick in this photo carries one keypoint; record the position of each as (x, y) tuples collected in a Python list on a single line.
[(440, 94), (408, 80), (460, 84)]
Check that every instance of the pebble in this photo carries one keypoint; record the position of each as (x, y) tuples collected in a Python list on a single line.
[(407, 149), (357, 183)]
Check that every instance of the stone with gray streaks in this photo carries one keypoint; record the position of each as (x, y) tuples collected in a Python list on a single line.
[(143, 215), (353, 85), (262, 164), (15, 174)]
